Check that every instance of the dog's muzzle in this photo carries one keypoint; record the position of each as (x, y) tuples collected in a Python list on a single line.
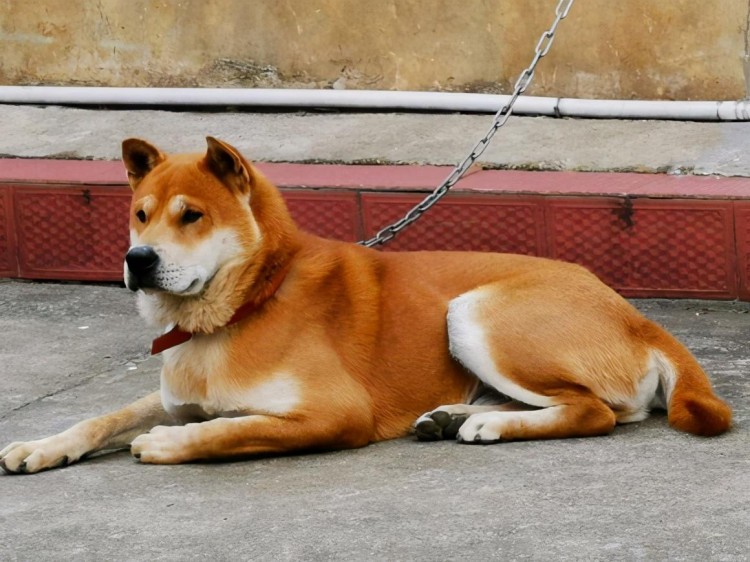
[(142, 262)]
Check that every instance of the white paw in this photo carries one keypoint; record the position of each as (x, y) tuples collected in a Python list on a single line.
[(32, 456), (485, 428), (163, 445)]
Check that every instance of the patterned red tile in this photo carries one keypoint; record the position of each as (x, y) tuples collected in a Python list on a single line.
[(324, 213), (742, 222), (680, 245), (587, 232), (8, 261), (648, 247), (461, 222), (72, 233)]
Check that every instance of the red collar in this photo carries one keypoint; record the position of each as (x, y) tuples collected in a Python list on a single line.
[(176, 336)]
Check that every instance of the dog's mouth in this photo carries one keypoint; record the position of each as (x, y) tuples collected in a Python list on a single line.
[(150, 272), (195, 287), (155, 285)]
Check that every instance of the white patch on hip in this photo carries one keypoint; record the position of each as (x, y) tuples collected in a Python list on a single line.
[(468, 344)]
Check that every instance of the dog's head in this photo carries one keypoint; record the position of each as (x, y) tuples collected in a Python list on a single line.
[(190, 217)]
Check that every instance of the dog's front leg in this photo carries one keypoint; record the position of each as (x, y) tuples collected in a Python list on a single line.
[(224, 438), (111, 431)]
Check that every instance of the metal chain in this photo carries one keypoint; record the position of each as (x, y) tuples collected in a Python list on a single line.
[(542, 48)]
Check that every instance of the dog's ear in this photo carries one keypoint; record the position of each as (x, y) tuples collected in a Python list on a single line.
[(226, 163), (140, 158)]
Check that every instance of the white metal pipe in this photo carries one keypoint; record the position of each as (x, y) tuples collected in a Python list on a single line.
[(378, 100)]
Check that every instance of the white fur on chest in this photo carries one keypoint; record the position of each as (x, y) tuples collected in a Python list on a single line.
[(196, 383)]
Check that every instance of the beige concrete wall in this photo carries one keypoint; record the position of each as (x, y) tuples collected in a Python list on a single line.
[(668, 49)]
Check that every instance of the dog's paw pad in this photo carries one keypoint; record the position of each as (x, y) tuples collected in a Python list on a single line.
[(438, 424), (428, 430)]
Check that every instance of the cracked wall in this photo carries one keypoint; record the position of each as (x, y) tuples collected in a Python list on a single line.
[(671, 49)]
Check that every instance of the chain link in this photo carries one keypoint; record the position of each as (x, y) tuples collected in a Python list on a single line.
[(542, 48)]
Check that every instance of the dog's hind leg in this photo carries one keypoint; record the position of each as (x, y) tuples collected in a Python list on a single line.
[(111, 431), (581, 418), (504, 353)]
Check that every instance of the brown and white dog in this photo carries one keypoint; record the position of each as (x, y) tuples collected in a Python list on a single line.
[(284, 341)]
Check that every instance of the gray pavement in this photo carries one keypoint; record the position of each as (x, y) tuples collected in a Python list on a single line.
[(646, 492), (70, 351), (526, 142)]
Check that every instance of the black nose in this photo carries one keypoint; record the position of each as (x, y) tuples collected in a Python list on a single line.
[(141, 260)]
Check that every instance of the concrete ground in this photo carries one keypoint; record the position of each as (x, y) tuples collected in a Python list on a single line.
[(69, 351), (645, 492)]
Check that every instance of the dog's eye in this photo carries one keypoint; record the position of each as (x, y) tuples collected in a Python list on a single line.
[(191, 216), (141, 215)]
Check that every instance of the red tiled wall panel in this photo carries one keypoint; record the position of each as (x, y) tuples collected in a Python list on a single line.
[(668, 248), (461, 222), (8, 262), (82, 233), (72, 233), (326, 214), (588, 233), (742, 219)]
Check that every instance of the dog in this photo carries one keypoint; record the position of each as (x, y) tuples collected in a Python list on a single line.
[(278, 341)]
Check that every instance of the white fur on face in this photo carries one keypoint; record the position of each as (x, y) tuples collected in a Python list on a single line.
[(177, 205), (148, 204), (185, 271)]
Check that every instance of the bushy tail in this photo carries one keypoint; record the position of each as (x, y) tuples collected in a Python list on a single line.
[(692, 405)]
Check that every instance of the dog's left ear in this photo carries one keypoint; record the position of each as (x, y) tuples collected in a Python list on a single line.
[(140, 158), (226, 163)]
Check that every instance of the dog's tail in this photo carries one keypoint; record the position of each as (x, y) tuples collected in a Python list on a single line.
[(691, 403)]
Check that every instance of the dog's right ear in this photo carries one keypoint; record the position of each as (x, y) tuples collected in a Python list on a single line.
[(140, 158)]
